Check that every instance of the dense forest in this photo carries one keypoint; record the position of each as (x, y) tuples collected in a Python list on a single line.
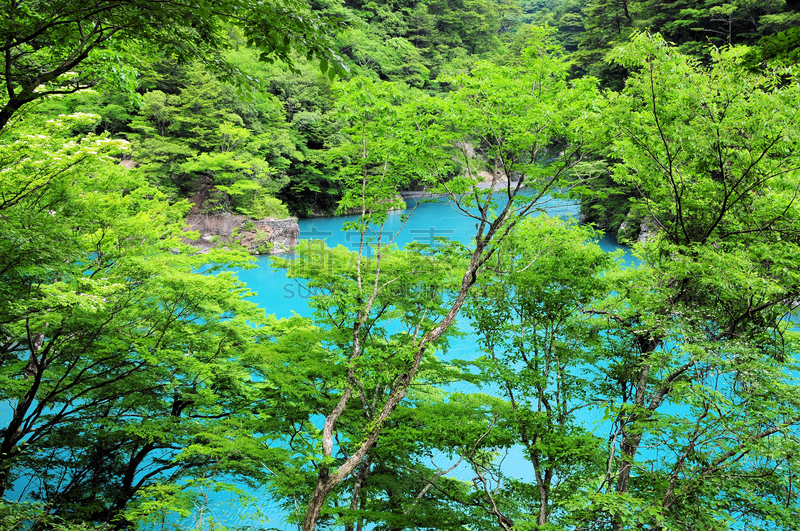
[(135, 374)]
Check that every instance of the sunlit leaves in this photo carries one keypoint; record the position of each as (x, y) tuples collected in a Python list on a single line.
[(112, 332)]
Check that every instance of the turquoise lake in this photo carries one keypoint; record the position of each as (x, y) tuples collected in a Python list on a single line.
[(281, 297)]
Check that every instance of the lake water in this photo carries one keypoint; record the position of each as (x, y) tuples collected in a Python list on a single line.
[(281, 297)]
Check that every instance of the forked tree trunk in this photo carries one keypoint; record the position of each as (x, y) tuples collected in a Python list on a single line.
[(488, 235), (327, 481)]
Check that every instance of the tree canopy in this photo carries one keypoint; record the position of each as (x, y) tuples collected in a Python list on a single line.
[(657, 392), (63, 46)]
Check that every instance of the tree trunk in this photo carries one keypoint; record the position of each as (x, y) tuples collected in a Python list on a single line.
[(323, 487), (356, 500), (630, 443), (487, 236), (13, 433)]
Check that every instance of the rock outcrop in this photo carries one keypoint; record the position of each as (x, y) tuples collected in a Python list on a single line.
[(636, 229), (262, 236), (647, 229)]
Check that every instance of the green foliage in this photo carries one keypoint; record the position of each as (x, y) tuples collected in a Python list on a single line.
[(694, 28), (199, 135), (536, 345), (393, 59), (158, 505), (58, 47), (517, 138), (606, 203), (699, 356), (701, 129), (382, 331), (263, 246), (142, 380), (781, 48), (413, 42), (113, 338), (373, 157), (338, 280), (267, 207), (566, 16), (19, 515)]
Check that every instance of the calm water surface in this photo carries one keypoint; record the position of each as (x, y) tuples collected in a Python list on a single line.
[(281, 297)]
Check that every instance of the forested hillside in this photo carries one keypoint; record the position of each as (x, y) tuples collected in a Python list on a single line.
[(261, 130), (657, 393)]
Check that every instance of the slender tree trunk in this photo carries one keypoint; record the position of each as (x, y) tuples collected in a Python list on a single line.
[(541, 484), (9, 109), (325, 485), (13, 433), (326, 481), (488, 234), (356, 500), (630, 443), (625, 9)]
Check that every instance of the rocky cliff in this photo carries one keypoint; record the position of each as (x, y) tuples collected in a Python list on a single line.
[(262, 236)]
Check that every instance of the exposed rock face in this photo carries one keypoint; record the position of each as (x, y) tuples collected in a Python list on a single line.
[(263, 236), (284, 234), (467, 149), (647, 229), (202, 190), (496, 179), (628, 230)]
